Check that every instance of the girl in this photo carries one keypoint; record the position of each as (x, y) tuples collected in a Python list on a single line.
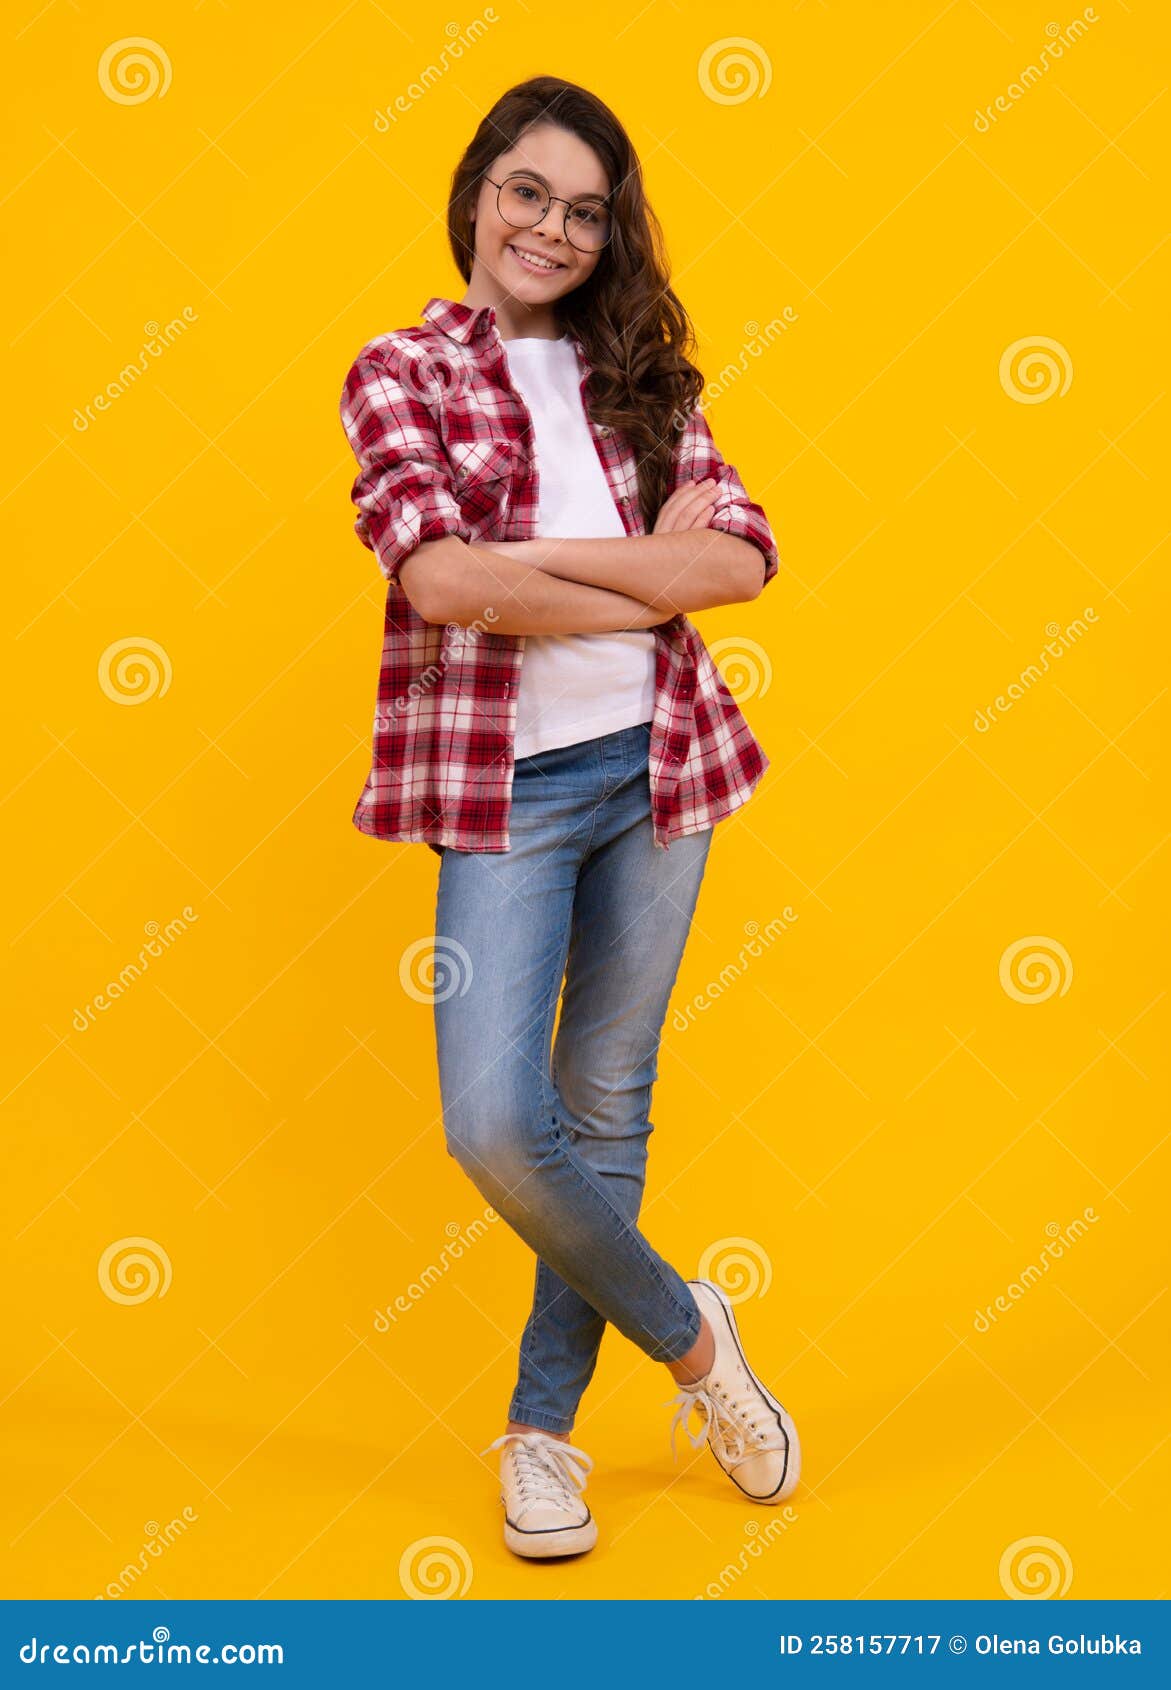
[(547, 504)]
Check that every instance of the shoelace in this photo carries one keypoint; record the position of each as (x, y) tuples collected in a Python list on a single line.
[(547, 1470), (725, 1420)]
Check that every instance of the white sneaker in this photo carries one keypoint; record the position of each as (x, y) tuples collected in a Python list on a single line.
[(540, 1479), (747, 1430)]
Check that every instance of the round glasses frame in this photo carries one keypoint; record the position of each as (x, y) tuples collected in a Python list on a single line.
[(550, 199)]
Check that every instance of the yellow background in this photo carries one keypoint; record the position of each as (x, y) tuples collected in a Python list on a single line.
[(866, 1104)]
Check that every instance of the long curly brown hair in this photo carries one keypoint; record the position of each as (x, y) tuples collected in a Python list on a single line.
[(635, 332)]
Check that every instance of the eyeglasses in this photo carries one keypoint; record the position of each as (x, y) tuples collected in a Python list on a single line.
[(523, 202)]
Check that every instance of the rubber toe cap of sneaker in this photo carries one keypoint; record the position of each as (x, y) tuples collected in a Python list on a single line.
[(762, 1475), (549, 1518)]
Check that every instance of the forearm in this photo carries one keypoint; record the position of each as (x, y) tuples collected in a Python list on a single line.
[(477, 585), (688, 569)]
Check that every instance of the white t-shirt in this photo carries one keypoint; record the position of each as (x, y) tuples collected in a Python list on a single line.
[(573, 686)]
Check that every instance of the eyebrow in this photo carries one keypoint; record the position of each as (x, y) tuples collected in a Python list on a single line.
[(523, 170)]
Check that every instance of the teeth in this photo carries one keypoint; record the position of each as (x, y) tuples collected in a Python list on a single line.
[(533, 263)]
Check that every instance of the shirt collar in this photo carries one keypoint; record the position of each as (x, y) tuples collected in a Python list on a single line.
[(468, 324)]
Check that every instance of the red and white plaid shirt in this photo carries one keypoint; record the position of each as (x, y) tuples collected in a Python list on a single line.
[(443, 441)]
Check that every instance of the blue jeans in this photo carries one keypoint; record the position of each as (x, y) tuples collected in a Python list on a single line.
[(559, 1146)]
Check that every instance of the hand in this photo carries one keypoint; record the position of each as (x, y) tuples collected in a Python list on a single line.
[(689, 506)]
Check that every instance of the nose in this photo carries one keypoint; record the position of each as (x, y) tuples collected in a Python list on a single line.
[(547, 229)]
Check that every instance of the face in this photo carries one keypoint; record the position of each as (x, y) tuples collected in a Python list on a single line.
[(570, 169)]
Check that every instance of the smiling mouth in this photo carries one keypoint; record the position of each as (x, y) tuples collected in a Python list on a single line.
[(538, 267)]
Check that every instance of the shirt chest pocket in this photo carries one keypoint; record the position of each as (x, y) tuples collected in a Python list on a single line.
[(484, 472)]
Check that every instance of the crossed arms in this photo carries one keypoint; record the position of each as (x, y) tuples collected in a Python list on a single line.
[(707, 548), (569, 586)]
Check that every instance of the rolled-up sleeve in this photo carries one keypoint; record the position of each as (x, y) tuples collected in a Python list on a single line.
[(696, 458), (404, 494)]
